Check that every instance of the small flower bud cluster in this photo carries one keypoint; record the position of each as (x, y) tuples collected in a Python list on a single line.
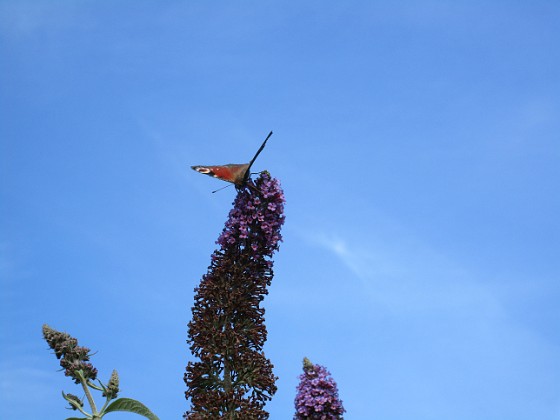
[(76, 401), (112, 389), (317, 394), (73, 357)]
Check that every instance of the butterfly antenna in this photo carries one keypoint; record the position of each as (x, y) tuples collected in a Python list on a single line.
[(258, 152), (220, 189)]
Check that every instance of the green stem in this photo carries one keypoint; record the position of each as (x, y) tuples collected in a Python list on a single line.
[(88, 394), (105, 405)]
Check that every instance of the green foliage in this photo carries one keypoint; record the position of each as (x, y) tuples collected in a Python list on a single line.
[(132, 406)]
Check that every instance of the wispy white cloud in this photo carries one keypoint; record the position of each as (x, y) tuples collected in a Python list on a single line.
[(405, 274), (447, 338)]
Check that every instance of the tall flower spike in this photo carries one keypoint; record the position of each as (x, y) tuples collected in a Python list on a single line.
[(233, 378), (73, 357), (317, 394)]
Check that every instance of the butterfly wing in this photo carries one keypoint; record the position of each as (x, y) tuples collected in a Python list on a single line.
[(234, 173)]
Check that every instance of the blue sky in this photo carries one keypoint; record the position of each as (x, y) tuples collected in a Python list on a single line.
[(418, 145)]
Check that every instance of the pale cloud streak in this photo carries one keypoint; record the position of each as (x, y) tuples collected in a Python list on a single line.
[(404, 274), (442, 322)]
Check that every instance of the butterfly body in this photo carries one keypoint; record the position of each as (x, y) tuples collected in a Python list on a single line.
[(236, 173)]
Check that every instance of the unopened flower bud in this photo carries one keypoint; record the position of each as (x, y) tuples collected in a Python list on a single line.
[(113, 386), (76, 401)]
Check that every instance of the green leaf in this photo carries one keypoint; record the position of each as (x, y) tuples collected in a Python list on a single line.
[(132, 406), (77, 418)]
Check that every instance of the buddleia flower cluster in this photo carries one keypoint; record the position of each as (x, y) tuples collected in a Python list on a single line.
[(317, 394), (74, 359), (231, 377)]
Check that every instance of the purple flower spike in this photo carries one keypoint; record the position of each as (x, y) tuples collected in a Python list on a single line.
[(233, 378), (317, 395)]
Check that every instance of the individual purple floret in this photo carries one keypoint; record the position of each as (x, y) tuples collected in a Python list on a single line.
[(317, 394)]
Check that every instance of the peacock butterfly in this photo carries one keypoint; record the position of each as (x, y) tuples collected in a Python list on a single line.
[(236, 173)]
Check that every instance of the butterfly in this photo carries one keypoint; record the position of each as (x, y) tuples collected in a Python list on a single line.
[(236, 173)]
